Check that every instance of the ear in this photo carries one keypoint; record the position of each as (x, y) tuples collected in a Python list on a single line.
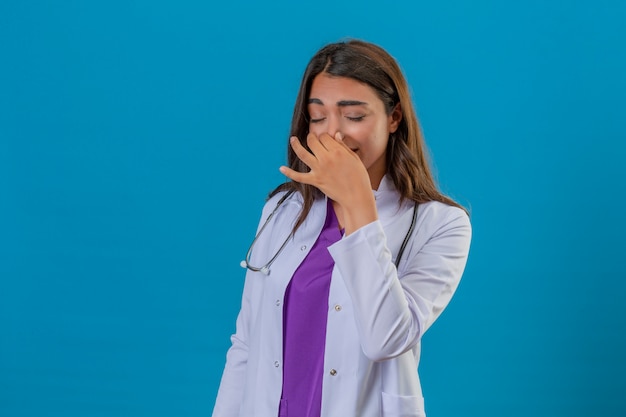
[(395, 118)]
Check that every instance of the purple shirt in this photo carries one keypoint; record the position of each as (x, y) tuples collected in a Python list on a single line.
[(304, 326)]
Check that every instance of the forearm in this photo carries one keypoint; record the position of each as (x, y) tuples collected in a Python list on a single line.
[(392, 312), (383, 316), (360, 212), (230, 393)]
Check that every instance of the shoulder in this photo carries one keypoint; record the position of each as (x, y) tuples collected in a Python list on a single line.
[(272, 201), (436, 210), (281, 197), (436, 217), (282, 203)]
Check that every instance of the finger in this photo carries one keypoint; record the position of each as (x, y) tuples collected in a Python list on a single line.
[(327, 141), (316, 146), (303, 177), (305, 156), (337, 141)]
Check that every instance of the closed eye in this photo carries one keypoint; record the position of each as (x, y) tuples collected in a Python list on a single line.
[(321, 119), (355, 118)]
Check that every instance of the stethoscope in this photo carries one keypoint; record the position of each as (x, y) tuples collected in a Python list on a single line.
[(265, 269)]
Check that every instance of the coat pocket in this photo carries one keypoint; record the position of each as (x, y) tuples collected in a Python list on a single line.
[(402, 406)]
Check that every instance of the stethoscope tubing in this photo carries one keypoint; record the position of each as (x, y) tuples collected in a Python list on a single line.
[(265, 269)]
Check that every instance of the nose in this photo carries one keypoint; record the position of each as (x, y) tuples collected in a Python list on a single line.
[(333, 126)]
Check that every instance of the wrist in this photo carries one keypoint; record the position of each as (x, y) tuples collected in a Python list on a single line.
[(359, 212)]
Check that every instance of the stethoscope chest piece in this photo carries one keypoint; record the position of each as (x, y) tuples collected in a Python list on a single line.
[(264, 269)]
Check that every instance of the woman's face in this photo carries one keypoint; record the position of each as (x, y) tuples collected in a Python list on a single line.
[(341, 104)]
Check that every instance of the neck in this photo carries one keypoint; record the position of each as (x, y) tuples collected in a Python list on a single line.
[(376, 176)]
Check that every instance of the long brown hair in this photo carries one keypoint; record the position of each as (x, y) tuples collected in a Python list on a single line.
[(407, 162)]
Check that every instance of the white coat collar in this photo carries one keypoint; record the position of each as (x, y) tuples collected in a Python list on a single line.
[(386, 184)]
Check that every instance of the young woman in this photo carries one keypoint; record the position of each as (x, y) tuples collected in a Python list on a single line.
[(354, 258)]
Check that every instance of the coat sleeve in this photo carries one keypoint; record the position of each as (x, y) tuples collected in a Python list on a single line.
[(392, 312), (231, 391)]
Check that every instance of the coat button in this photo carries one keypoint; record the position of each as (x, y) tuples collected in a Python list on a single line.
[(337, 307), (277, 303), (303, 248), (276, 364), (333, 372)]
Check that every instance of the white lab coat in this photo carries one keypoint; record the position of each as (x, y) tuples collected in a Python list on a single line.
[(376, 315)]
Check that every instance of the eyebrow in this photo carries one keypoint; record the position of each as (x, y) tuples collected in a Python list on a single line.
[(342, 103)]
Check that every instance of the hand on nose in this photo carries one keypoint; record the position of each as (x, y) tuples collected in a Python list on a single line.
[(334, 168), (339, 173)]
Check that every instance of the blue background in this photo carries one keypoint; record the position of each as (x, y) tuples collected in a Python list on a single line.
[(138, 140)]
